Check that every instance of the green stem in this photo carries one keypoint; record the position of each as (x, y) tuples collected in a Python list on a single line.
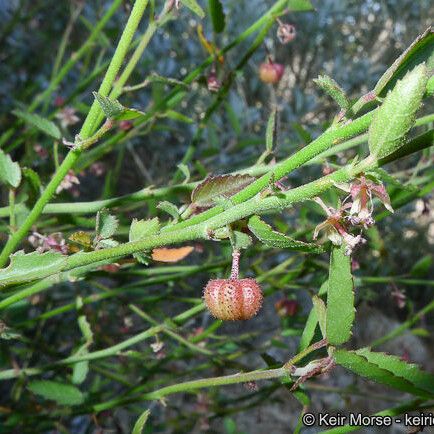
[(255, 205), (68, 65), (86, 130)]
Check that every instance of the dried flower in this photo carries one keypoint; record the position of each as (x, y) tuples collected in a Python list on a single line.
[(68, 182), (361, 191), (399, 297), (213, 83), (46, 243), (67, 117), (125, 125), (285, 307), (286, 32), (335, 228)]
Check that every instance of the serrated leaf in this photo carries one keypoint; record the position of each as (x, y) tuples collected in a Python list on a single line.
[(241, 240), (213, 187), (10, 172), (271, 132), (42, 124), (395, 117), (217, 15), (140, 229), (384, 369), (106, 225), (164, 254), (25, 268), (340, 298), (141, 422), (193, 5), (409, 371), (329, 86), (106, 243), (82, 238), (267, 235), (113, 109), (421, 50), (63, 394), (170, 208)]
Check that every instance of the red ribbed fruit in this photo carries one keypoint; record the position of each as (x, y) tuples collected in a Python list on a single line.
[(233, 299)]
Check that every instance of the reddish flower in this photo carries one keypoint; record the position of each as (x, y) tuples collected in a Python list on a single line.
[(361, 192), (286, 307), (48, 243), (67, 117), (286, 32), (125, 125), (68, 182), (335, 228)]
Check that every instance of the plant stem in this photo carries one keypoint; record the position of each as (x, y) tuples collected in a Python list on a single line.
[(86, 131), (255, 205)]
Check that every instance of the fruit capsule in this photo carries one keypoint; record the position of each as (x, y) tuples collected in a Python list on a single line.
[(233, 299)]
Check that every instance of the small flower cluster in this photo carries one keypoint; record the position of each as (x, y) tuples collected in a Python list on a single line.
[(355, 212), (49, 243)]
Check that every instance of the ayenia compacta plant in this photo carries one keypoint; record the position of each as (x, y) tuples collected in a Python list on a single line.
[(236, 208)]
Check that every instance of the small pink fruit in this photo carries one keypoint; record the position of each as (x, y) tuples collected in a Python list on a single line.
[(270, 72), (233, 299)]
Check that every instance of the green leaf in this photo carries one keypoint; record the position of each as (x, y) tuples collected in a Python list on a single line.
[(194, 6), (395, 117), (271, 132), (270, 237), (10, 172), (212, 187), (42, 124), (329, 86), (63, 394), (300, 5), (241, 240), (141, 229), (421, 50), (141, 422), (113, 109), (169, 208), (80, 371), (340, 298), (387, 369), (309, 330), (34, 183), (321, 314), (25, 268), (106, 225), (176, 116), (185, 171), (217, 15), (422, 266)]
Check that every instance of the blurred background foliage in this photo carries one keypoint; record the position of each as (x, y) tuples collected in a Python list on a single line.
[(352, 41)]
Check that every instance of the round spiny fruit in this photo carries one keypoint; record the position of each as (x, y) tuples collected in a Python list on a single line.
[(271, 72), (233, 299)]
